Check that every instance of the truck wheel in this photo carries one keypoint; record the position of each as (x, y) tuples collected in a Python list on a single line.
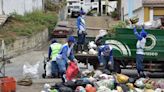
[(117, 67)]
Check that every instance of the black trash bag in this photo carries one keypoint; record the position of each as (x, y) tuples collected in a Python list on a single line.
[(82, 83), (124, 87), (65, 89), (58, 85), (70, 84), (106, 71)]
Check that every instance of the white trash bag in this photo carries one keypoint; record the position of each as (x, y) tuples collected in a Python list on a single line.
[(31, 70), (92, 45), (93, 52), (48, 69)]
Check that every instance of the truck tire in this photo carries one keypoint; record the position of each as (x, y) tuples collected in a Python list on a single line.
[(117, 67)]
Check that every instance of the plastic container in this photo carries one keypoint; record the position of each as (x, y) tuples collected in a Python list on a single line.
[(7, 84)]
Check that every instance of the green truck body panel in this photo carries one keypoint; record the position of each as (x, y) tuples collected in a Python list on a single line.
[(124, 42)]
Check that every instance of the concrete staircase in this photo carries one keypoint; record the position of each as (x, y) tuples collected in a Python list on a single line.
[(3, 19)]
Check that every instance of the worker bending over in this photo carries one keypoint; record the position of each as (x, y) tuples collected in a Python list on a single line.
[(105, 57), (66, 56)]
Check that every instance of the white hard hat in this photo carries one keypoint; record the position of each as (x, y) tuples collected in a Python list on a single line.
[(102, 32)]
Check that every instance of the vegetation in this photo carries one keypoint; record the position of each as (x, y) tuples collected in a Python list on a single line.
[(92, 12), (120, 24), (114, 14), (51, 6), (27, 25)]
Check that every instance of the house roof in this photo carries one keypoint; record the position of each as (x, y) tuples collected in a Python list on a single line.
[(153, 3)]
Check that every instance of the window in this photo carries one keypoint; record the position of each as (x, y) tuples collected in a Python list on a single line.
[(77, 7), (69, 10), (70, 3), (92, 0), (70, 7)]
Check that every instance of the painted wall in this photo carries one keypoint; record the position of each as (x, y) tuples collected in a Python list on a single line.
[(20, 6), (159, 11), (149, 13), (136, 7), (111, 6)]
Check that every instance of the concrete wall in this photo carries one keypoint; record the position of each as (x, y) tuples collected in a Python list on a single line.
[(19, 6), (25, 44)]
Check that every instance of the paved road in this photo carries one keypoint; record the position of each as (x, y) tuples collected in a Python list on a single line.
[(93, 24)]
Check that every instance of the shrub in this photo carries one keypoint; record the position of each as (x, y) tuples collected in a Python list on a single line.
[(28, 25), (114, 14)]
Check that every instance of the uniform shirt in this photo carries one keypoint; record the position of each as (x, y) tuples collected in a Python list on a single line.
[(66, 52), (54, 49), (140, 46), (140, 43), (81, 24), (102, 51)]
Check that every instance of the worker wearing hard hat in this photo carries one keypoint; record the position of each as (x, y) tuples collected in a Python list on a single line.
[(52, 53), (81, 31), (141, 37), (105, 56), (66, 55)]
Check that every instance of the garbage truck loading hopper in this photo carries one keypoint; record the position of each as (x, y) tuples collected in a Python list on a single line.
[(124, 42)]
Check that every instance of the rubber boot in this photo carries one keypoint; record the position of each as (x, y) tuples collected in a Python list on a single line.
[(79, 49), (82, 48)]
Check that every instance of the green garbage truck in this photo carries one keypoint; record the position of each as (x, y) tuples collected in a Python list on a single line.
[(124, 42)]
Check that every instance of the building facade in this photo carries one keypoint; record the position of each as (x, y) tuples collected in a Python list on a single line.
[(106, 6), (20, 6), (145, 10)]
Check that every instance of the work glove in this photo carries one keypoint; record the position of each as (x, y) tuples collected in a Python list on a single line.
[(68, 62), (101, 64), (75, 60), (109, 63), (84, 32), (48, 59)]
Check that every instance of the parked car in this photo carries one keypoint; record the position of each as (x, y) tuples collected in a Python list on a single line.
[(75, 14), (62, 29)]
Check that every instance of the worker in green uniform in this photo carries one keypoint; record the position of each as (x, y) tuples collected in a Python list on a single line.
[(54, 49)]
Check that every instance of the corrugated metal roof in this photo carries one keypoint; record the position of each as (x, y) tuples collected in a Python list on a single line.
[(153, 3)]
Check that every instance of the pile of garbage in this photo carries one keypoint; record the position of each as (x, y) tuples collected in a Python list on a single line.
[(155, 24), (105, 81)]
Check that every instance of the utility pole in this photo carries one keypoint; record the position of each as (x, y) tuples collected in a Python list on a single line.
[(100, 7), (3, 13)]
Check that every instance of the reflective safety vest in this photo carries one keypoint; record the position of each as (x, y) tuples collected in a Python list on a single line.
[(55, 47)]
